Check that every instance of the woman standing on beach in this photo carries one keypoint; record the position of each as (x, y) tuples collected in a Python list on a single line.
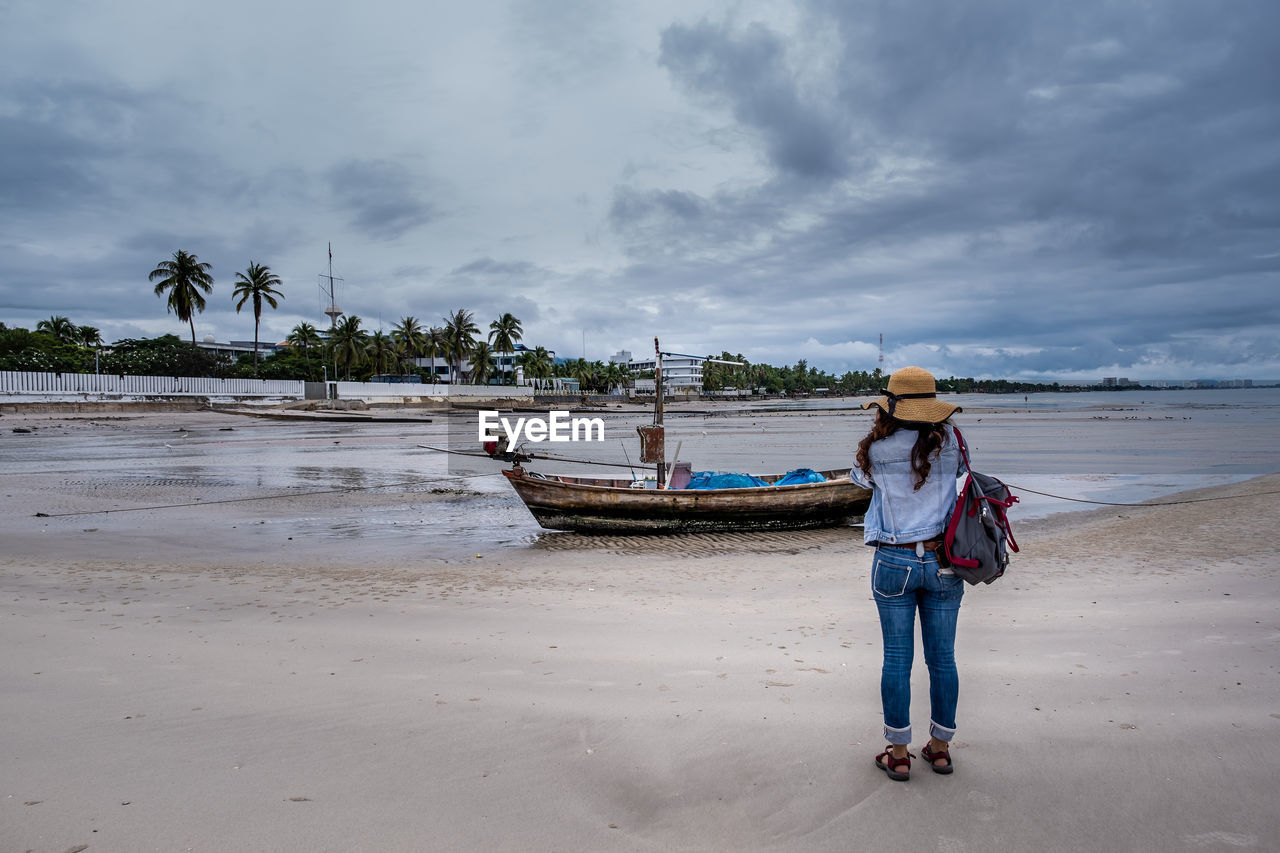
[(911, 460)]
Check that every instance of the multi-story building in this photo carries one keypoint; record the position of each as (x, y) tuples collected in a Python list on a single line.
[(681, 374), (235, 349)]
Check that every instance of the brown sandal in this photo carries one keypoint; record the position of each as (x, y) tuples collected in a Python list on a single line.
[(930, 756), (891, 764)]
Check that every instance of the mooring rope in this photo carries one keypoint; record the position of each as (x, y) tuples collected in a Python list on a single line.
[(1160, 503), (347, 489)]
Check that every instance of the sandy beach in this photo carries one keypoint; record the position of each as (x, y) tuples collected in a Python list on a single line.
[(213, 678)]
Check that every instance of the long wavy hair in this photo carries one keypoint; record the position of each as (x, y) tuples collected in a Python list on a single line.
[(929, 439)]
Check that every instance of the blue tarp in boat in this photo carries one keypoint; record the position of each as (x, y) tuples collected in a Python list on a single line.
[(723, 480), (731, 480), (799, 476)]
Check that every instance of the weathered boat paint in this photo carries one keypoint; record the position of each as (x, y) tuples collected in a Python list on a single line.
[(605, 505)]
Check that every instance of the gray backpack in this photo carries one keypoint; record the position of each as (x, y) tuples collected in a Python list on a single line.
[(978, 538)]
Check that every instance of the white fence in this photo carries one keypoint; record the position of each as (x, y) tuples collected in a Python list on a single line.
[(413, 392), (25, 387), (18, 386)]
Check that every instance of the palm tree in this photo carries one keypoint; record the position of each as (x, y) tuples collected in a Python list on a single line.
[(536, 363), (615, 376), (579, 369), (482, 364), (187, 279), (802, 376), (305, 335), (408, 335), (504, 333), (381, 352), (257, 283), (89, 337), (434, 343), (460, 331), (347, 343), (59, 327)]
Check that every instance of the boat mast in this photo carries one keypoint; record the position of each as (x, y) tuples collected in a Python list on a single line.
[(653, 449), (657, 411), (333, 311)]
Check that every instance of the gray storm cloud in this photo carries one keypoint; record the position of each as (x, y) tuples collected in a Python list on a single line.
[(1010, 189)]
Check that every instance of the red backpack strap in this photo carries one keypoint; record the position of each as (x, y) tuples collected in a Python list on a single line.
[(950, 534), (964, 448), (1008, 533)]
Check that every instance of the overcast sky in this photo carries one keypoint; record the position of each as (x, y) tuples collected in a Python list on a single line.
[(1062, 189)]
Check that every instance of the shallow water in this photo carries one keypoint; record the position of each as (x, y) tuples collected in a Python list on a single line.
[(342, 482)]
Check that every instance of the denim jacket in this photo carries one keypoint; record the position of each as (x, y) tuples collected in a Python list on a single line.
[(899, 513)]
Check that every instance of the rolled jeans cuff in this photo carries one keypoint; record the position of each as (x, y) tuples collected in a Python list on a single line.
[(897, 737), (941, 733)]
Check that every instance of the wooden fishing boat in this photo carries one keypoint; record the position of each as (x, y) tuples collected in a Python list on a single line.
[(659, 505), (616, 506)]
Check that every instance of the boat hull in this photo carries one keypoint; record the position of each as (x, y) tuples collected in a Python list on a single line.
[(574, 503)]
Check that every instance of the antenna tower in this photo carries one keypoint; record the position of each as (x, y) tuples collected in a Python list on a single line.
[(326, 288), (881, 360)]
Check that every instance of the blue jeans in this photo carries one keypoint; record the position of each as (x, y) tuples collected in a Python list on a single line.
[(901, 583)]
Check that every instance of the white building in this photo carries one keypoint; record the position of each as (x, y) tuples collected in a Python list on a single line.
[(681, 374), (235, 349)]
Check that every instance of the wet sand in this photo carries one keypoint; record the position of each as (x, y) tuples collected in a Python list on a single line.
[(176, 680)]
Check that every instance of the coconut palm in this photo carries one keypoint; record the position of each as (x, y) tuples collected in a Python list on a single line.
[(88, 336), (408, 336), (381, 352), (434, 343), (460, 331), (258, 284), (615, 376), (504, 333), (59, 327), (482, 363), (586, 374), (347, 344), (579, 369), (537, 363), (187, 279), (305, 335), (562, 368), (546, 363)]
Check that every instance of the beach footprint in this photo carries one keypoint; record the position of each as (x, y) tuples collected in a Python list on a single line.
[(982, 806)]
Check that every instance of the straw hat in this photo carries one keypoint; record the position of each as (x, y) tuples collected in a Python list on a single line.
[(912, 397)]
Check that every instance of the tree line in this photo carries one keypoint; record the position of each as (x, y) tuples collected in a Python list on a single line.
[(59, 345), (802, 378), (184, 282), (353, 353)]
